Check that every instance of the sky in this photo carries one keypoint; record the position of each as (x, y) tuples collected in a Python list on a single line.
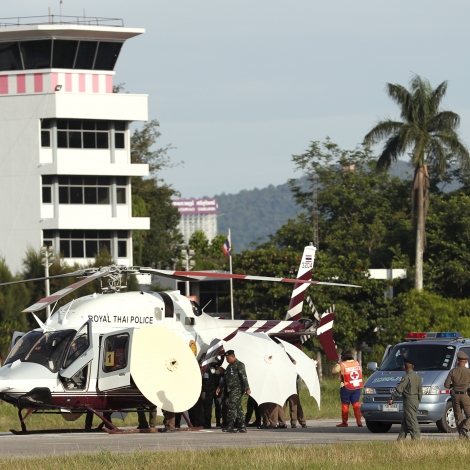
[(239, 87)]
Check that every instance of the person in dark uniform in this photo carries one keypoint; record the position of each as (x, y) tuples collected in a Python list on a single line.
[(252, 406), (237, 385), (411, 387), (459, 379), (210, 384), (152, 422), (222, 399)]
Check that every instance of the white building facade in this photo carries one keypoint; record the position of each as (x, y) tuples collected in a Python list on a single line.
[(65, 161), (197, 215)]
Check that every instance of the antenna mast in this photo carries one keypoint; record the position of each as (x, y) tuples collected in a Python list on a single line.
[(316, 239)]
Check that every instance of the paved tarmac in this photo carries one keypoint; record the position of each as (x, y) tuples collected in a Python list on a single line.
[(318, 432)]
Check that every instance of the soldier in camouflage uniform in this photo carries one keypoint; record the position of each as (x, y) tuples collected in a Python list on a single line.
[(411, 387), (210, 383), (237, 386)]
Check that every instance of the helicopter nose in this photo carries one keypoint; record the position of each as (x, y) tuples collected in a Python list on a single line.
[(5, 385)]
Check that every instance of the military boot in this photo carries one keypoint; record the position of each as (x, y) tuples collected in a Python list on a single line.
[(230, 428)]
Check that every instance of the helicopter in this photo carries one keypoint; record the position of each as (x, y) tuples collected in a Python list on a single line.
[(81, 358)]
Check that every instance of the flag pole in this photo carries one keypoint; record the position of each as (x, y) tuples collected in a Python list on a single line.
[(231, 280)]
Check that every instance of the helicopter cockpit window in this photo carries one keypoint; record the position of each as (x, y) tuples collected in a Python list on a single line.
[(22, 346), (79, 345), (116, 349), (50, 348)]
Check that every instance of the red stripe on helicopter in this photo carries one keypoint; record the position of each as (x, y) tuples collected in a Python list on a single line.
[(269, 325), (241, 276), (244, 326), (299, 298)]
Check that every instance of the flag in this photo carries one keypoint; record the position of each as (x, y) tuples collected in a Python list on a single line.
[(227, 249)]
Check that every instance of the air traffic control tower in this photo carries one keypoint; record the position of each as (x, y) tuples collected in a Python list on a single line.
[(65, 162)]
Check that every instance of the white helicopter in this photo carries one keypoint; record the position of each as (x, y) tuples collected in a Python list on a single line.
[(101, 353)]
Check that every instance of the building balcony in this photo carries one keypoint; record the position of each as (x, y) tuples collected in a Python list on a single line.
[(62, 105), (93, 222), (88, 165)]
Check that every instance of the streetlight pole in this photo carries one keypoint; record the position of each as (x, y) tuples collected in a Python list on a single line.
[(46, 261), (188, 264)]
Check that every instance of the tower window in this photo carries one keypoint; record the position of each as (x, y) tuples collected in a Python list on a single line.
[(46, 189), (59, 53), (107, 55), (84, 190), (86, 55), (10, 58), (78, 134), (86, 243), (36, 54), (64, 54)]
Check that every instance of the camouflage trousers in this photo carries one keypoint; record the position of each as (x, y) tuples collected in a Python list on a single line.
[(234, 408)]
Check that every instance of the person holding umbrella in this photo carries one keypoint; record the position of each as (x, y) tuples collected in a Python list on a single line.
[(237, 385)]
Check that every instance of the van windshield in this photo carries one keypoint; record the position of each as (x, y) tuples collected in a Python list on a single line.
[(424, 357)]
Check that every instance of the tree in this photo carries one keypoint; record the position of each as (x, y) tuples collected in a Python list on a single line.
[(208, 255), (13, 299), (359, 211), (151, 197), (431, 136), (361, 313)]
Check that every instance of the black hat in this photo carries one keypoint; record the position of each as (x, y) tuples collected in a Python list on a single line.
[(409, 361), (346, 353), (230, 352)]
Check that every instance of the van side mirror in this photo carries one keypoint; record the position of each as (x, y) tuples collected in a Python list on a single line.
[(372, 366)]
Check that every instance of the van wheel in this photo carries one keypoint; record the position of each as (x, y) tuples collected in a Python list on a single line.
[(447, 422), (378, 426)]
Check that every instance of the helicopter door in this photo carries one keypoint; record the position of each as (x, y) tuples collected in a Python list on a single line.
[(16, 336), (80, 352), (114, 370)]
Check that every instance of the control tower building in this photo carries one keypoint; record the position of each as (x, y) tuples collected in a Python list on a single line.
[(65, 163)]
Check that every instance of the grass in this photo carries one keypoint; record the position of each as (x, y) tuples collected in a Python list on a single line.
[(330, 408), (358, 456)]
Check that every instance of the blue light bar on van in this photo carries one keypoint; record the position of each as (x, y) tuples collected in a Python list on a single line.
[(448, 335)]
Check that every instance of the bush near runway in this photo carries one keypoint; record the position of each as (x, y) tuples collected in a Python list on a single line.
[(358, 456)]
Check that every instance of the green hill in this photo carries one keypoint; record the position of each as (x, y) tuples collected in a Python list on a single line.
[(254, 214)]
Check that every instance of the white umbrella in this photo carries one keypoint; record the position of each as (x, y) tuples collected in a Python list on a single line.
[(164, 368), (271, 374), (306, 368)]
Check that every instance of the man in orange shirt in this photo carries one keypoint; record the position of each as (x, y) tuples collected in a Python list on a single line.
[(350, 374)]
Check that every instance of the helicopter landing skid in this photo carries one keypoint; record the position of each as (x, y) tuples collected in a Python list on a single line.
[(54, 431), (150, 430)]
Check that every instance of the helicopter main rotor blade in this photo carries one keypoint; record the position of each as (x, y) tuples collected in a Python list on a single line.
[(67, 290), (165, 274), (22, 281), (200, 275)]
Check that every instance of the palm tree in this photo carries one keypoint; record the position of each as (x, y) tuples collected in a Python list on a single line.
[(431, 136)]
